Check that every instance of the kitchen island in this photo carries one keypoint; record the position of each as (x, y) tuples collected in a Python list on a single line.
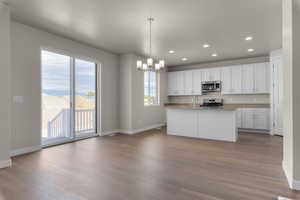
[(201, 122), (216, 123)]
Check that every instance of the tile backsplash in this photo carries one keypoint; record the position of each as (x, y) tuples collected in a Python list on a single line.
[(228, 99)]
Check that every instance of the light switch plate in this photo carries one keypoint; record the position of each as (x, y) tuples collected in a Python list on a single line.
[(18, 99)]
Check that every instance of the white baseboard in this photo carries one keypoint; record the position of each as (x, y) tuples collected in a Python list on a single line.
[(110, 132), (287, 175), (25, 151), (294, 184), (5, 163), (254, 131), (132, 132), (135, 131)]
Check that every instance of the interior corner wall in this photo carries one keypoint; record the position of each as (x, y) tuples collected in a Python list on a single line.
[(26, 43), (134, 115), (5, 66), (125, 92)]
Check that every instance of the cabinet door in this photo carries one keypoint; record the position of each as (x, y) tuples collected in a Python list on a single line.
[(226, 80), (180, 82), (261, 118), (215, 74), (248, 79), (188, 82), (182, 122), (206, 75), (197, 79), (236, 79), (172, 83), (262, 78), (247, 118)]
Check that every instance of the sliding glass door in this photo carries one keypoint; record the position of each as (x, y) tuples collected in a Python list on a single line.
[(56, 96), (69, 93), (85, 97)]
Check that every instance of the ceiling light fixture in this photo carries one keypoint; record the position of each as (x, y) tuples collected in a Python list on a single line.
[(184, 59), (150, 65), (206, 45), (250, 50), (248, 38), (214, 55), (171, 51)]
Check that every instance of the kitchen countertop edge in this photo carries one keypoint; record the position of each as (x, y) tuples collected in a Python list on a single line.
[(225, 107)]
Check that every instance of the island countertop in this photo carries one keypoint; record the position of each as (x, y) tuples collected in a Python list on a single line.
[(225, 107)]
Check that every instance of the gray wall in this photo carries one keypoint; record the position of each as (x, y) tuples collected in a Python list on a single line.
[(4, 83), (125, 92), (220, 63), (26, 45), (287, 89), (291, 82), (296, 89), (134, 115)]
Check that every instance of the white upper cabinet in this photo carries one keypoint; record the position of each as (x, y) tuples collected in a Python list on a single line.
[(188, 82), (175, 83), (172, 83), (212, 74), (226, 80), (180, 82), (236, 79), (197, 80), (206, 75), (262, 78), (248, 79), (239, 79), (215, 74)]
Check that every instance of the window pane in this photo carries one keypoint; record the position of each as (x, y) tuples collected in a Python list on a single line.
[(150, 88)]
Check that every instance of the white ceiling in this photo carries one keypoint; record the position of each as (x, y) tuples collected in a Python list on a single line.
[(119, 26)]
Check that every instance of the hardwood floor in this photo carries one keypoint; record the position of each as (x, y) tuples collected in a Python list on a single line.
[(150, 166)]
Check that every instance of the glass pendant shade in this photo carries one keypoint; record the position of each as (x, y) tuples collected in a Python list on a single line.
[(162, 63), (145, 66), (149, 61), (139, 64), (157, 66)]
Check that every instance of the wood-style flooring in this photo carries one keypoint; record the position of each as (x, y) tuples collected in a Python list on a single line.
[(150, 166)]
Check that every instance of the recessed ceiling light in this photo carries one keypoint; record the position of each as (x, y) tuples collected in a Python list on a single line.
[(184, 59), (248, 38), (171, 51), (206, 45), (214, 55), (250, 50)]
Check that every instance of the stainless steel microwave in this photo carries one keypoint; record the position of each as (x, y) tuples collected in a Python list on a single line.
[(211, 86)]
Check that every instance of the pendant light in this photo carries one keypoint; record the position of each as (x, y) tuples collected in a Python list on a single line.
[(150, 65)]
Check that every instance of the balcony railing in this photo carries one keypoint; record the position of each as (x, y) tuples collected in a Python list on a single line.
[(59, 126)]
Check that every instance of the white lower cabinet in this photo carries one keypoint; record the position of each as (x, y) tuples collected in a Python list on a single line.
[(253, 118), (182, 123), (247, 118), (203, 123)]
